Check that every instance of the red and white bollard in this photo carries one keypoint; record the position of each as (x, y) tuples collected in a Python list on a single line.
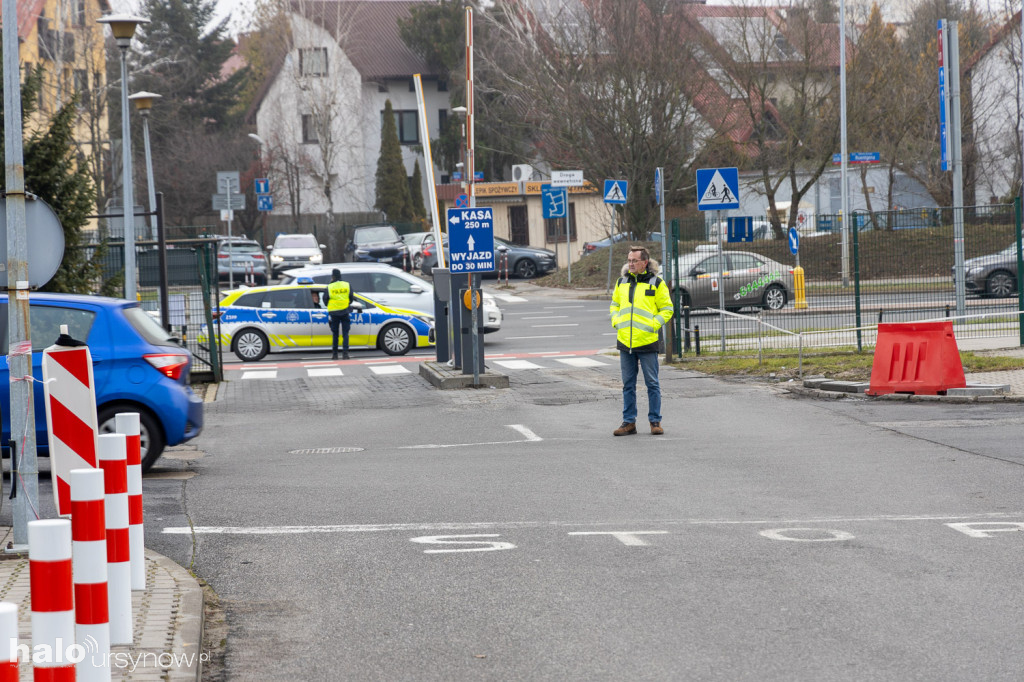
[(128, 424), (89, 554), (9, 638), (113, 460), (53, 612)]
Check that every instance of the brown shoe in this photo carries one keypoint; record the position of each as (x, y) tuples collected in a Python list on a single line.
[(656, 429), (627, 429)]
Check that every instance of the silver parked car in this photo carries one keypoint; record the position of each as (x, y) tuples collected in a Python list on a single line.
[(993, 275), (748, 279), (241, 260)]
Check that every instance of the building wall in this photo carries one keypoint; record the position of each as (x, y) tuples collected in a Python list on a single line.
[(355, 108), (995, 88)]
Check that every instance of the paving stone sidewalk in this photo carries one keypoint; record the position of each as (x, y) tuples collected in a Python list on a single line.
[(167, 615)]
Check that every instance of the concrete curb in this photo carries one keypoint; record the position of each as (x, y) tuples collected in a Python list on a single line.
[(188, 631), (903, 397)]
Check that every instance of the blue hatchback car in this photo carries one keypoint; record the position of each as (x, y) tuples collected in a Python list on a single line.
[(137, 367)]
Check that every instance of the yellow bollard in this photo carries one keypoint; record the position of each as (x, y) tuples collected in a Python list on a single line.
[(798, 284)]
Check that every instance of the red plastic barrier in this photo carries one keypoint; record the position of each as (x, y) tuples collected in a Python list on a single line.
[(916, 357)]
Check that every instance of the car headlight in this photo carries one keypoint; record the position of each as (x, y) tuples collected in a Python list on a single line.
[(361, 252), (318, 258), (276, 258), (426, 319)]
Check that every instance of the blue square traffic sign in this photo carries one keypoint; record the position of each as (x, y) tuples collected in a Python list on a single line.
[(264, 202), (553, 201), (262, 185), (615, 191), (740, 229), (718, 189), (470, 239)]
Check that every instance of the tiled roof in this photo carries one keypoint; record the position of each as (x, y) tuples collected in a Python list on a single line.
[(997, 36), (367, 31)]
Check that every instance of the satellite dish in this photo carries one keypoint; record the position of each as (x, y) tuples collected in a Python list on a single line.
[(45, 242)]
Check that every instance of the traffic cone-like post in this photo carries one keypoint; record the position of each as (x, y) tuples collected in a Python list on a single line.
[(9, 638), (128, 424), (89, 553), (53, 612), (112, 460)]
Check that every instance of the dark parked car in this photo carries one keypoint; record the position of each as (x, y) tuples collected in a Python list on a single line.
[(137, 367), (993, 275), (523, 261), (378, 244)]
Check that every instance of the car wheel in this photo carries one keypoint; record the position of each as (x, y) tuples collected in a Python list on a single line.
[(417, 262), (1001, 284), (774, 297), (526, 269), (151, 436), (250, 345), (395, 339)]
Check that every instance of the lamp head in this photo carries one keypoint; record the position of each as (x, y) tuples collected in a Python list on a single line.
[(123, 27), (144, 101), (256, 138), (461, 111)]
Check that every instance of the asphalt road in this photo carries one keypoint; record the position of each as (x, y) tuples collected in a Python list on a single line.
[(370, 527)]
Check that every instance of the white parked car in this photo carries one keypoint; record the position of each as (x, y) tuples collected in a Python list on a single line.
[(293, 251), (389, 286)]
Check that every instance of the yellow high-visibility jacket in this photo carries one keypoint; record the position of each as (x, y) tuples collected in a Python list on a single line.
[(641, 305), (339, 295)]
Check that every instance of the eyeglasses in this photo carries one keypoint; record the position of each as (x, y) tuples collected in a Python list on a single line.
[(635, 260)]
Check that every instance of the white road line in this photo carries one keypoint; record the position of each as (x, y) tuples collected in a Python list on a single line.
[(509, 298), (556, 336), (489, 525), (389, 369), (260, 374), (582, 362), (561, 307), (541, 326), (547, 317), (324, 372), (531, 437), (517, 364)]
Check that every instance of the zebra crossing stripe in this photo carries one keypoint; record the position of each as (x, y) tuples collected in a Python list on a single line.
[(260, 374), (324, 371), (581, 362), (517, 364), (389, 369)]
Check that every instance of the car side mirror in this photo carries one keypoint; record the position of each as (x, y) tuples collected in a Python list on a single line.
[(356, 305), (502, 248), (416, 289), (322, 246), (697, 271)]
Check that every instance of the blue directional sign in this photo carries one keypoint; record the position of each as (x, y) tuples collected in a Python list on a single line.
[(718, 189), (794, 241), (262, 185), (457, 176), (859, 157), (740, 229), (478, 176), (615, 191), (471, 239), (554, 201), (264, 202)]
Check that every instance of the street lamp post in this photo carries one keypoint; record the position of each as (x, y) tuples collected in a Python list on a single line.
[(123, 28), (144, 104)]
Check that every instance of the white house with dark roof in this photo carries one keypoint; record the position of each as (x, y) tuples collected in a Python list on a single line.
[(320, 113)]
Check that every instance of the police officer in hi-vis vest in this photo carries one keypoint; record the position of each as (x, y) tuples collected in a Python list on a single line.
[(338, 297)]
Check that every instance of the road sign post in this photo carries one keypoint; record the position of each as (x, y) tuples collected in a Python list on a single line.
[(718, 189)]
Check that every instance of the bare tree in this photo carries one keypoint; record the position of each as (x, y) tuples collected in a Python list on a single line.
[(599, 85)]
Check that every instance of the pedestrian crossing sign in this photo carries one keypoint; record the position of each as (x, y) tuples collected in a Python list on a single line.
[(615, 191), (718, 189)]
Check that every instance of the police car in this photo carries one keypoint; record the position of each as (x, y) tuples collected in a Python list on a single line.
[(259, 320)]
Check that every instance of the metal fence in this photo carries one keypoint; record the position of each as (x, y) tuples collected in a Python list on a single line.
[(893, 266), (192, 290)]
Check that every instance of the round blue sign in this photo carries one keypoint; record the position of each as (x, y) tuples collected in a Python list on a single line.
[(794, 241)]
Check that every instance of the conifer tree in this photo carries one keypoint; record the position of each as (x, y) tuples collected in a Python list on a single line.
[(53, 173), (392, 183), (419, 210)]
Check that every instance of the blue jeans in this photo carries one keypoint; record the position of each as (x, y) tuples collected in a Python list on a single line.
[(336, 319), (630, 364)]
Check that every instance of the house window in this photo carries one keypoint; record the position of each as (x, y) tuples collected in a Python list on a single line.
[(408, 126), (82, 86), (79, 17), (442, 119), (412, 86), (554, 228), (313, 61), (309, 129), (442, 86)]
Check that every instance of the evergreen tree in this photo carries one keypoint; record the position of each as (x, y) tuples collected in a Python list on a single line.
[(419, 210), (53, 173), (392, 182)]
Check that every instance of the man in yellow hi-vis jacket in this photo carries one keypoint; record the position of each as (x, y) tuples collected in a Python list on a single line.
[(641, 305)]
